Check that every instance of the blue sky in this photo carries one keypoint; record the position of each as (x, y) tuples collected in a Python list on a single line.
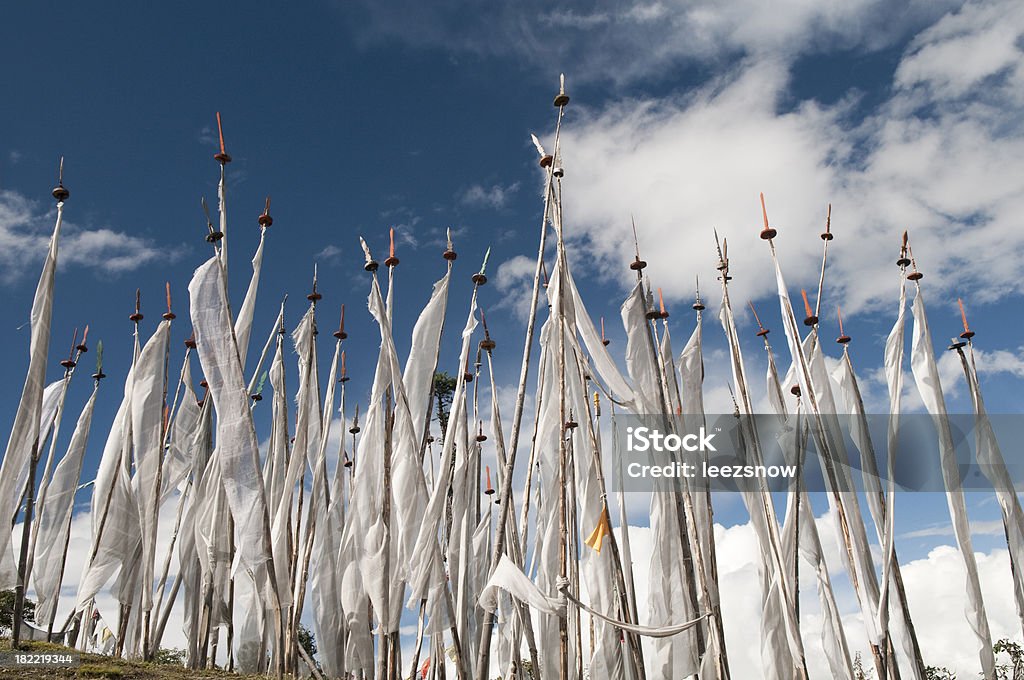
[(357, 117)]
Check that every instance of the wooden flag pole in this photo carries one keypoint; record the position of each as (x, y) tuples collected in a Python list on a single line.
[(483, 655)]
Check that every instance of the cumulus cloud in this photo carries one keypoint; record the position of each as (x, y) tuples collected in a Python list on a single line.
[(934, 585), (515, 281), (495, 196), (623, 42), (25, 228), (944, 161), (330, 254)]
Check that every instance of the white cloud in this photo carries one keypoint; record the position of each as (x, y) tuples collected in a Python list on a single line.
[(494, 196), (924, 160), (25, 228), (330, 254), (986, 528), (981, 42), (935, 590), (623, 42), (515, 281), (77, 556)]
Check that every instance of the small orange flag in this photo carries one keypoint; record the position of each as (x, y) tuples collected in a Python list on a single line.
[(596, 537)]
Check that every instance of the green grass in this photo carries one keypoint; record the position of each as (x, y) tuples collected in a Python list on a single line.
[(98, 667)]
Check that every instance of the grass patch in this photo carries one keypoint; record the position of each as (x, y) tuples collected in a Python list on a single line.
[(100, 671)]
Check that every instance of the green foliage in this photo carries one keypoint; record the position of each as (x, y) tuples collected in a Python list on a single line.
[(444, 390), (858, 669), (169, 656), (1015, 669), (939, 673), (307, 640), (7, 611)]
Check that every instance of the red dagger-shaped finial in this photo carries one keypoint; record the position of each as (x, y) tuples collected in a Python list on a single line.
[(392, 261), (168, 315), (137, 316), (82, 347), (265, 220), (490, 489), (662, 312), (223, 158), (843, 337), (903, 260), (968, 333), (767, 233), (69, 363), (480, 436), (340, 334), (811, 319), (761, 330), (604, 341), (344, 370), (827, 234)]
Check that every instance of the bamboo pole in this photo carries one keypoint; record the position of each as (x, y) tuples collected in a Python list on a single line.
[(628, 614), (517, 417), (767, 510)]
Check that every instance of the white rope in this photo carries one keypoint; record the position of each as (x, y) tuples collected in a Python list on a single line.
[(646, 631)]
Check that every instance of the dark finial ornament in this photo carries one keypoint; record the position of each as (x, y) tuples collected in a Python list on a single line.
[(60, 193), (222, 157)]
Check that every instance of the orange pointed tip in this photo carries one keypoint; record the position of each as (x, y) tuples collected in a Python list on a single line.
[(392, 260), (220, 132), (767, 233), (222, 156), (811, 319), (968, 333)]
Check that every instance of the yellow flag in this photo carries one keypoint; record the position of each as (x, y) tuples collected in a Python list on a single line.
[(602, 529)]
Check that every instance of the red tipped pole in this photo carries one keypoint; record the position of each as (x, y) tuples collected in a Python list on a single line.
[(265, 220), (168, 315), (223, 156), (767, 233), (968, 333), (392, 260), (604, 341), (490, 489), (761, 330), (843, 337), (903, 260), (69, 363), (662, 312), (811, 319), (340, 334)]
